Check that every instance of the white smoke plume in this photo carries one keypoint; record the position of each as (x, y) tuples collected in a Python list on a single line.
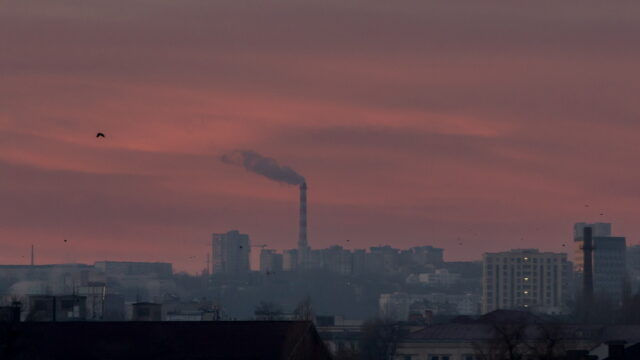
[(265, 166)]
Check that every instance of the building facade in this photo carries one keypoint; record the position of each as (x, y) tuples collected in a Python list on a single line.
[(609, 260), (270, 261), (230, 253), (526, 279)]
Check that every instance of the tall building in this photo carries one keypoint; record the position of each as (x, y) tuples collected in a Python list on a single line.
[(338, 260), (290, 260), (525, 279), (270, 261), (633, 267), (609, 260), (230, 253)]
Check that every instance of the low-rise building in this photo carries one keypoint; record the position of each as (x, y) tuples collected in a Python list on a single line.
[(399, 306), (441, 277)]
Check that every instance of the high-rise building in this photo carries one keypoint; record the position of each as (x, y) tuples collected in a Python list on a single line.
[(338, 260), (230, 253), (270, 261), (290, 260), (525, 279), (609, 260)]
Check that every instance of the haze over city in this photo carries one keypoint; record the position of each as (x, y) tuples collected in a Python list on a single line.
[(483, 123)]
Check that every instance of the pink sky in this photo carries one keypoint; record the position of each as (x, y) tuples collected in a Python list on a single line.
[(414, 122)]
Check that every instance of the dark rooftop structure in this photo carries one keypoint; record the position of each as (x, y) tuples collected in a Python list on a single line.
[(162, 340)]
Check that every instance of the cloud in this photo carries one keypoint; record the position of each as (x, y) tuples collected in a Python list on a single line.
[(419, 116)]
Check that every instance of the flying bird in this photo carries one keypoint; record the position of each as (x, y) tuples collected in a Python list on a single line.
[(99, 135), (65, 240)]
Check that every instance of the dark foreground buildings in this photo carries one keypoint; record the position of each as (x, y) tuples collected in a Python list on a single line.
[(242, 340)]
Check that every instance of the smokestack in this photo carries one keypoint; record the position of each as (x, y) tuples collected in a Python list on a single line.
[(302, 235), (32, 256), (587, 278)]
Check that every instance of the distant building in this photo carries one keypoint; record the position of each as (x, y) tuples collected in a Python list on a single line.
[(145, 311), (426, 255), (525, 279), (399, 306), (609, 260), (441, 277), (270, 261), (290, 260), (57, 308), (230, 253), (359, 258), (382, 259), (633, 267), (135, 268), (337, 259), (114, 308)]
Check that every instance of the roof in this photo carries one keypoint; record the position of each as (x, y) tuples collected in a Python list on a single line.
[(503, 316), (473, 332), (630, 353), (239, 340)]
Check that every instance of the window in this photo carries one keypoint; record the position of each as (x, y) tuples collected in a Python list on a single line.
[(468, 357)]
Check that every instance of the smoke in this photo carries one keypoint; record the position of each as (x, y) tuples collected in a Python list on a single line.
[(267, 167)]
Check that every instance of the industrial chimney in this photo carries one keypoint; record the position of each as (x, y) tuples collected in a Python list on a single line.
[(303, 246), (587, 272)]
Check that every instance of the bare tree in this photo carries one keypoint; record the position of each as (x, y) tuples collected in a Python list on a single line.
[(517, 340), (380, 338), (268, 311), (548, 343), (304, 310), (506, 341)]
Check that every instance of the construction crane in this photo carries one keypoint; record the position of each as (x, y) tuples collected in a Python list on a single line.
[(260, 246)]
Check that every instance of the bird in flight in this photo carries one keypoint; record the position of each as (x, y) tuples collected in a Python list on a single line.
[(65, 240), (99, 135)]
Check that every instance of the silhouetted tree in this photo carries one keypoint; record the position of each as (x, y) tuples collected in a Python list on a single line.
[(506, 343), (380, 338), (522, 339), (268, 311), (304, 310), (548, 343)]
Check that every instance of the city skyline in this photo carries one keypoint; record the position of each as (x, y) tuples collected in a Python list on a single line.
[(420, 124)]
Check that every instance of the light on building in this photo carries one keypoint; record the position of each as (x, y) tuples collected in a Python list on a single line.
[(526, 292), (526, 279), (526, 259)]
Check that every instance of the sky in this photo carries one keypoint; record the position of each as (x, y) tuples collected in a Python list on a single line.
[(488, 123)]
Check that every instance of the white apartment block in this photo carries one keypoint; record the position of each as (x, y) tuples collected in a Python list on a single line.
[(523, 279)]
